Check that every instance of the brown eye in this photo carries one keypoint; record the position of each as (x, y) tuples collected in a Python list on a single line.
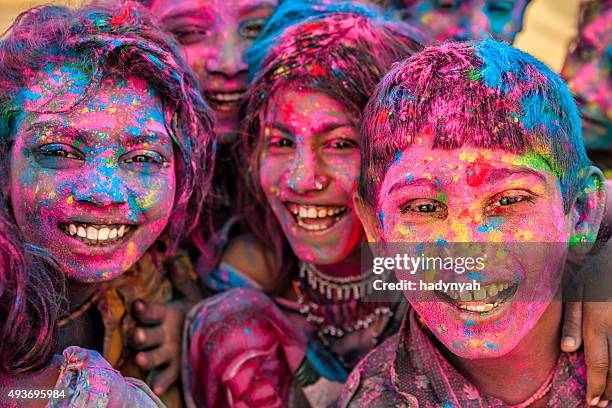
[(424, 208), (251, 28), (191, 35), (510, 200), (282, 142), (342, 144)]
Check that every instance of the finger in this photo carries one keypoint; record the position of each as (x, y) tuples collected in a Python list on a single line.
[(596, 355), (147, 337), (149, 313), (571, 336), (607, 394), (166, 378), (148, 360)]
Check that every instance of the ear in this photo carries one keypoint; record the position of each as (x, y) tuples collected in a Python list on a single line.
[(369, 219), (587, 212)]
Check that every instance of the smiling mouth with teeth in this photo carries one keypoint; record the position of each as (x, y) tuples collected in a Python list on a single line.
[(316, 217), (225, 100), (95, 234), (484, 300)]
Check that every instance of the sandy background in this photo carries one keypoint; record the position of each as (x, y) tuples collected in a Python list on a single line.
[(548, 28)]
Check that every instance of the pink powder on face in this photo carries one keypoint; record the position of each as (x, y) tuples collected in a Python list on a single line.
[(214, 35), (474, 195), (106, 163), (310, 162)]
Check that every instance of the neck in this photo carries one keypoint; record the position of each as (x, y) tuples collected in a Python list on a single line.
[(516, 376), (349, 266), (79, 292)]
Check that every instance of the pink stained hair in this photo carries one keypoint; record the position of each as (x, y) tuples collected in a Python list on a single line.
[(31, 303), (120, 39), (339, 49), (483, 93)]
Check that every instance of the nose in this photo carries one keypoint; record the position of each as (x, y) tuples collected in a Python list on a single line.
[(305, 173), (101, 190), (229, 60)]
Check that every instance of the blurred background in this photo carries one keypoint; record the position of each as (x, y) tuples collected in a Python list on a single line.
[(548, 28)]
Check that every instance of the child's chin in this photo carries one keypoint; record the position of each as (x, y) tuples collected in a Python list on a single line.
[(484, 349), (94, 276)]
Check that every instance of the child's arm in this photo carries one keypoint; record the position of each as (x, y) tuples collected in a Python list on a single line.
[(591, 322)]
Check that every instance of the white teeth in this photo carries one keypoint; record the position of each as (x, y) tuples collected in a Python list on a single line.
[(492, 290), (311, 227), (92, 233), (227, 97), (315, 212), (103, 234)]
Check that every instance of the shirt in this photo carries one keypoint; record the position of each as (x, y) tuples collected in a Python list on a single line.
[(409, 371)]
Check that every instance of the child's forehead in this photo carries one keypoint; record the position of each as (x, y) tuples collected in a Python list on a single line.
[(58, 87), (421, 160)]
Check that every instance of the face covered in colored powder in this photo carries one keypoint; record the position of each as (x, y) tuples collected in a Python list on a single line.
[(93, 184), (479, 196), (468, 19), (587, 70), (214, 35), (308, 170)]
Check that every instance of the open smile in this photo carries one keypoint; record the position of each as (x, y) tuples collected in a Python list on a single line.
[(97, 234), (225, 101), (484, 300), (316, 217)]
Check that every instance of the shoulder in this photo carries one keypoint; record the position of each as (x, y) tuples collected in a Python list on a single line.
[(246, 254), (87, 379), (371, 383)]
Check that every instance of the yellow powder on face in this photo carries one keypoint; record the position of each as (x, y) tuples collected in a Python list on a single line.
[(460, 230), (467, 156), (70, 199), (523, 235)]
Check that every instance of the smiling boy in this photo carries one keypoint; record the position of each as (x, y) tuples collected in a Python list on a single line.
[(477, 143)]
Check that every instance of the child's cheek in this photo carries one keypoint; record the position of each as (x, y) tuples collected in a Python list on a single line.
[(153, 196), (271, 174), (345, 171)]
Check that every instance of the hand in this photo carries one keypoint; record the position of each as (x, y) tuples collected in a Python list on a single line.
[(593, 321), (158, 338)]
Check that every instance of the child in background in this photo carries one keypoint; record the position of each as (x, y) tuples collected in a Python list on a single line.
[(271, 336)]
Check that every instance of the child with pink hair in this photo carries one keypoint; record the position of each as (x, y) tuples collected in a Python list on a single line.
[(479, 143), (106, 152)]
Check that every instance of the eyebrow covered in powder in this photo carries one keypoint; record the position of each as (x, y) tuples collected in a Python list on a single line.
[(321, 130), (256, 6), (84, 136), (493, 176), (194, 14)]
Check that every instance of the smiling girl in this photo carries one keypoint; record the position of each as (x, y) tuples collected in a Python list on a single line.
[(106, 150), (312, 70)]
